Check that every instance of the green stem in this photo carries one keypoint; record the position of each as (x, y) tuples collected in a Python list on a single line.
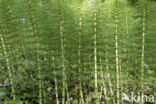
[(95, 53), (79, 54), (8, 66), (44, 93), (103, 81), (107, 65), (55, 79), (62, 52), (117, 55), (142, 55), (32, 22)]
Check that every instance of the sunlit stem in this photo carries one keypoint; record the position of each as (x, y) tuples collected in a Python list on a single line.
[(55, 79), (117, 55), (95, 52), (79, 54), (142, 55), (8, 66), (103, 88)]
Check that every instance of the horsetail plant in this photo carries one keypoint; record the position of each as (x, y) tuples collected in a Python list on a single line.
[(95, 53), (125, 51), (117, 55), (8, 47), (76, 52), (56, 88), (106, 59), (142, 54), (103, 85), (103, 89), (35, 38), (61, 21), (79, 55), (8, 66)]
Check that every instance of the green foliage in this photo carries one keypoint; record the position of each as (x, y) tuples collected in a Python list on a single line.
[(13, 102), (42, 42)]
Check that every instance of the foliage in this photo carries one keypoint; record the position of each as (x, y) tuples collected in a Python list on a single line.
[(76, 51)]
